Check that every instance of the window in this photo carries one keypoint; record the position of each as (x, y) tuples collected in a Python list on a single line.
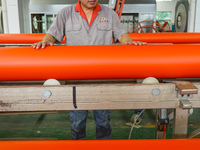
[(163, 16), (42, 22)]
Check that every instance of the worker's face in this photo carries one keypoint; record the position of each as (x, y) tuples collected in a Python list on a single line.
[(88, 4)]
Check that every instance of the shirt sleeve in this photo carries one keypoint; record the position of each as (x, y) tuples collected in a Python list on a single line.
[(118, 29), (57, 29)]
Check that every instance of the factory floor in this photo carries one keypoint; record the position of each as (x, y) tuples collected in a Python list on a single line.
[(57, 126)]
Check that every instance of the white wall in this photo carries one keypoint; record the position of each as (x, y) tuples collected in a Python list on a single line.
[(11, 16), (16, 16), (197, 18), (26, 18)]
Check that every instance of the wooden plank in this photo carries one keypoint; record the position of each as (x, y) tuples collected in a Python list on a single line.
[(194, 134), (180, 123), (91, 97), (120, 96)]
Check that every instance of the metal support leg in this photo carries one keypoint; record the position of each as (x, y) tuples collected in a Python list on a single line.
[(162, 121)]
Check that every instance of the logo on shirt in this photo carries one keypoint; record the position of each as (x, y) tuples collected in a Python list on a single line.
[(103, 19)]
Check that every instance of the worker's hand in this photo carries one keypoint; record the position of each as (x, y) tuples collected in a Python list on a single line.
[(41, 44), (127, 40), (135, 43)]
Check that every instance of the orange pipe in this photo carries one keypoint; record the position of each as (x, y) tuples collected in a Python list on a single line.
[(20, 38), (100, 62), (177, 144), (175, 38)]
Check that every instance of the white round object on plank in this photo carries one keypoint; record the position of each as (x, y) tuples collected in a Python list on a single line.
[(150, 80), (51, 82)]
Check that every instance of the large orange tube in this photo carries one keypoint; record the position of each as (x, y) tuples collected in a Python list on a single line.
[(177, 144), (175, 38), (100, 62), (20, 38), (146, 37)]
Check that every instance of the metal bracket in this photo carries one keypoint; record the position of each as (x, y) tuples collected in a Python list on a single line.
[(185, 104), (184, 96), (185, 90), (185, 87)]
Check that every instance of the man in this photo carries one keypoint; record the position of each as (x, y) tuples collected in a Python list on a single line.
[(87, 23)]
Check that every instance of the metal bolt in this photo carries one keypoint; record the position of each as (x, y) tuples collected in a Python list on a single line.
[(156, 91), (47, 93)]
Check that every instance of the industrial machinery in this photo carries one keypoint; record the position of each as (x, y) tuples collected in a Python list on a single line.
[(150, 27), (118, 66), (166, 62), (181, 16)]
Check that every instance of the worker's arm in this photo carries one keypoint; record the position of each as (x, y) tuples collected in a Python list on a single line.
[(126, 39), (48, 40)]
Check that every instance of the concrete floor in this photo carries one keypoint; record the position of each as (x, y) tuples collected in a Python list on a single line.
[(57, 126)]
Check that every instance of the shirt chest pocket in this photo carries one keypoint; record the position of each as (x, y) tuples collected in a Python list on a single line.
[(104, 26), (73, 34), (73, 28), (104, 33)]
